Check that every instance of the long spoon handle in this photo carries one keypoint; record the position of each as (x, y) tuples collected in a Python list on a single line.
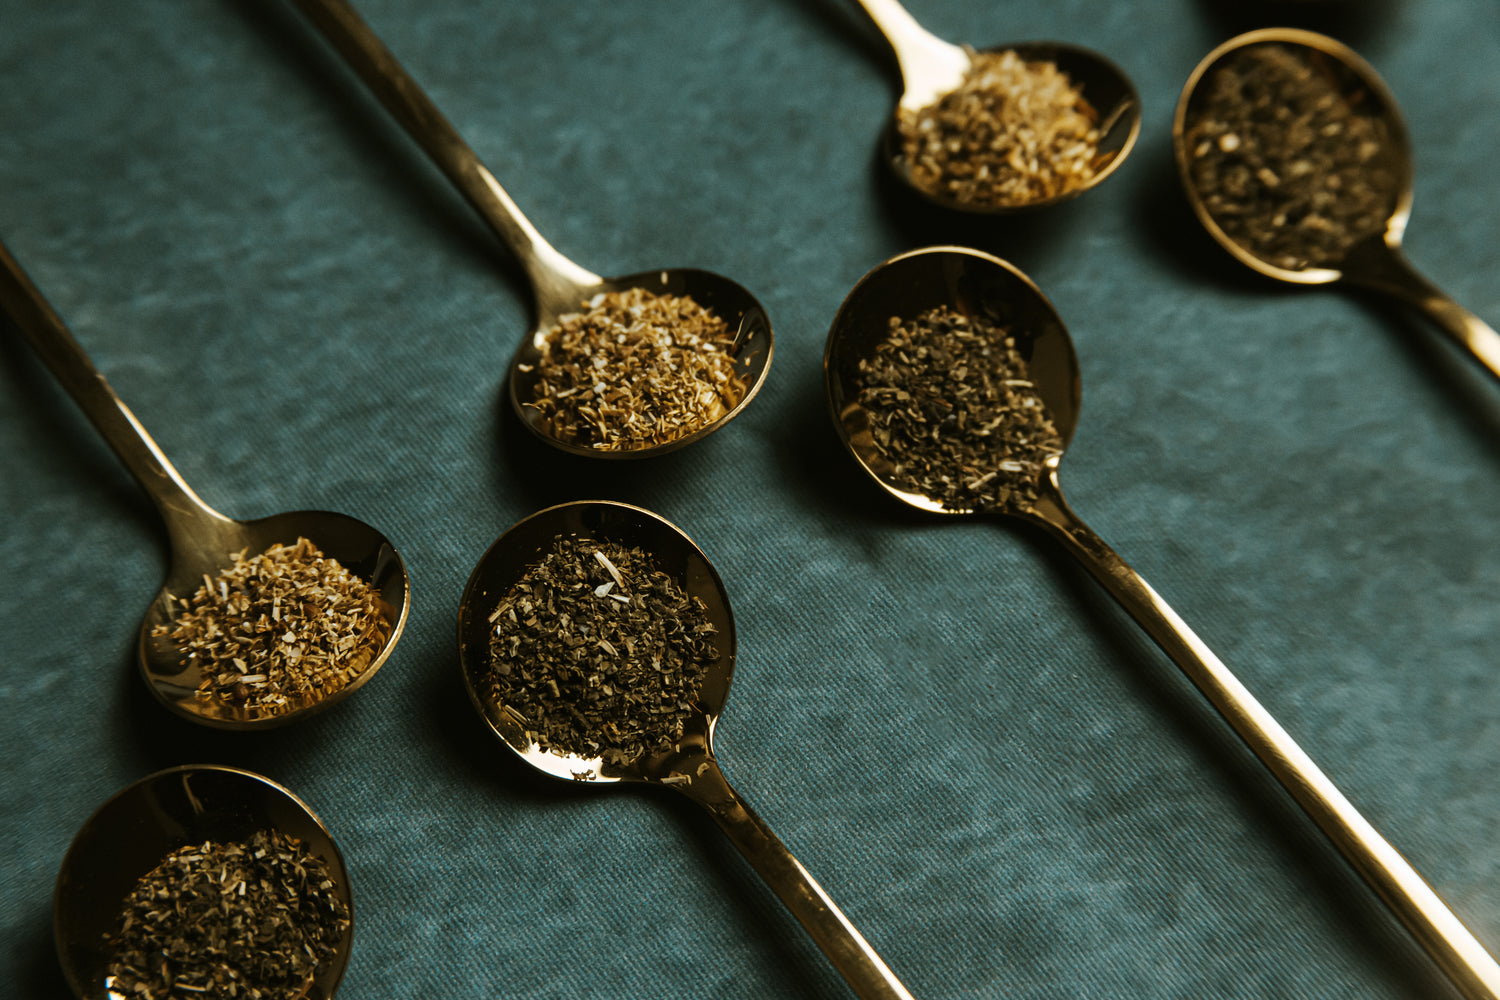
[(1451, 944), (929, 65), (1386, 269), (850, 954), (39, 323), (555, 279)]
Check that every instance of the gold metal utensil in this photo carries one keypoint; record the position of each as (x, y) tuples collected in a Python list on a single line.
[(691, 769), (137, 828), (978, 284), (202, 540), (559, 285), (1374, 261)]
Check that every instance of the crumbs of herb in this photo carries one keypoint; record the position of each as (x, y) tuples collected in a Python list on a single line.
[(600, 652), (1015, 131), (1287, 164), (250, 919), (634, 369), (278, 630), (952, 407)]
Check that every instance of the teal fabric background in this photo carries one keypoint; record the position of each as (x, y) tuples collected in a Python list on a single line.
[(1006, 787)]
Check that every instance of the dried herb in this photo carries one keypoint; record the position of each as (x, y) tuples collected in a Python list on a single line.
[(634, 369), (278, 630), (250, 919), (1013, 132), (1286, 163), (952, 407), (600, 652)]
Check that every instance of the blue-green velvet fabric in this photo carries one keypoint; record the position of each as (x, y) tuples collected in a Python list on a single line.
[(985, 763)]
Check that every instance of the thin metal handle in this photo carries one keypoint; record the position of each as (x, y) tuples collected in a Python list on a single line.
[(556, 280), (849, 952), (1440, 932)]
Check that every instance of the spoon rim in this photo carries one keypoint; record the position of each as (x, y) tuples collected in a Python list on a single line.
[(1400, 139)]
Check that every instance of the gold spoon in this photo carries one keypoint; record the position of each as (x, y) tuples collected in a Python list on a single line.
[(980, 285), (559, 285), (202, 540), (692, 769), (1374, 260), (932, 68), (140, 826)]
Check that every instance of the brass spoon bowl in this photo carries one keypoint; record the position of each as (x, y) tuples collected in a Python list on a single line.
[(140, 826), (558, 284), (980, 285), (931, 68), (1375, 261), (691, 769), (202, 540)]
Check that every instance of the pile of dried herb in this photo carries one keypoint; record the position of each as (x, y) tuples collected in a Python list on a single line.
[(251, 919), (952, 407), (1013, 132), (635, 369), (279, 629), (600, 652), (1286, 164)]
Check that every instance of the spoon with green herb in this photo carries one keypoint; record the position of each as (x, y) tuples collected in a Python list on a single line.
[(1295, 158), (954, 384), (1002, 129), (596, 640), (219, 876), (259, 622), (626, 367)]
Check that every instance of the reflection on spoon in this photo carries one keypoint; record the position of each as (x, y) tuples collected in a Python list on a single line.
[(992, 294), (1318, 191), (169, 810), (561, 287), (985, 105), (203, 540), (689, 767)]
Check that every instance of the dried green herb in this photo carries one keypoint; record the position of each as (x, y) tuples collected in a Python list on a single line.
[(1286, 163), (1013, 132), (251, 919), (599, 651), (952, 407), (278, 630), (634, 369)]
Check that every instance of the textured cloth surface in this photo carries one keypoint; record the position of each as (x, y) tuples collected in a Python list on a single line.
[(988, 766)]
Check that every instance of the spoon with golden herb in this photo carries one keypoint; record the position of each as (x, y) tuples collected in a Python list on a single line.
[(1295, 158), (1002, 129), (596, 640), (625, 367), (203, 881), (259, 622), (953, 383)]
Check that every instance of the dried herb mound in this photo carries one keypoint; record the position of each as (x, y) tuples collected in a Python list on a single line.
[(600, 652), (1013, 132), (1285, 164), (279, 629), (250, 919), (952, 407), (634, 369)]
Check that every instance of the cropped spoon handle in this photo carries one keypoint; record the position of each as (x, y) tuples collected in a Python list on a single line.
[(1440, 932), (556, 280), (184, 513), (850, 954), (930, 66), (1383, 268)]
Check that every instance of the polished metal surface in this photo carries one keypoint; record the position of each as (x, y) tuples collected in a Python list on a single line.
[(931, 67), (692, 768), (1376, 262), (558, 284), (977, 283), (140, 826), (202, 540)]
